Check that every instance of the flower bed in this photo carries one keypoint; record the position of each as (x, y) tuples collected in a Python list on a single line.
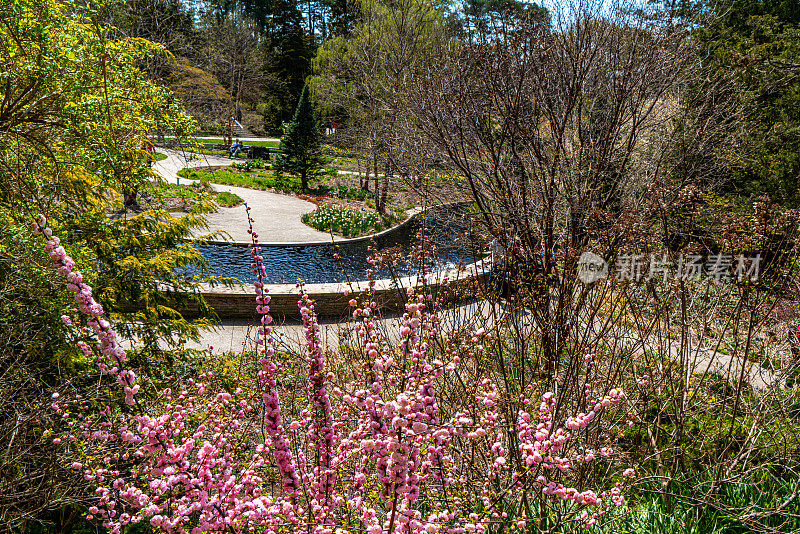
[(348, 222)]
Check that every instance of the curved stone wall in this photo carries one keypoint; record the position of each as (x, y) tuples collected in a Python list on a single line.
[(332, 300)]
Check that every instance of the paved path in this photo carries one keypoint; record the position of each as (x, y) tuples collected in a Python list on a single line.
[(236, 335), (698, 357), (277, 217), (243, 139)]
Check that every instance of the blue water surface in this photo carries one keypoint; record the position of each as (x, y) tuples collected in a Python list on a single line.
[(347, 261)]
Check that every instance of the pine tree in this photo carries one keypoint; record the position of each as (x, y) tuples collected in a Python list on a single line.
[(301, 142)]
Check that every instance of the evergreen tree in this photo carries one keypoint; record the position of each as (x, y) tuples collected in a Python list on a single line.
[(291, 50), (754, 45), (301, 142)]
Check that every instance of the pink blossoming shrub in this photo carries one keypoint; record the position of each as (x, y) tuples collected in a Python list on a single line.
[(418, 438)]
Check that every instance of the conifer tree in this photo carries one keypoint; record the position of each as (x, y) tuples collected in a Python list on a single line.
[(301, 142)]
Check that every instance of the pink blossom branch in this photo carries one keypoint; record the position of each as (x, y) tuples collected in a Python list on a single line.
[(106, 335), (271, 401), (383, 453), (322, 428)]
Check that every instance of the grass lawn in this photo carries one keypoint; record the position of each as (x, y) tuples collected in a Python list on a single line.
[(229, 200), (158, 156), (261, 181)]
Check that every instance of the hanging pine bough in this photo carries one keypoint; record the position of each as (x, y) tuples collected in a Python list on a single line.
[(378, 453)]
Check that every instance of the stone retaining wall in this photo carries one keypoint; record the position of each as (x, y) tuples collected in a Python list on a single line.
[(332, 300)]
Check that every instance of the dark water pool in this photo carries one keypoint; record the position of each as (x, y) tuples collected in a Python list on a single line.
[(448, 232)]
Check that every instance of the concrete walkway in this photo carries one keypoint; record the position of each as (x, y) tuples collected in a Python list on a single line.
[(243, 139), (239, 334), (277, 218)]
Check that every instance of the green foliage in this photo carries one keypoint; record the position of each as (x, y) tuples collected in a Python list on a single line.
[(285, 184), (72, 146), (352, 193), (192, 197), (344, 15), (293, 52), (31, 304), (301, 145), (96, 107), (685, 509), (80, 98), (359, 81), (479, 13), (736, 15), (141, 259), (229, 200), (348, 222), (755, 44)]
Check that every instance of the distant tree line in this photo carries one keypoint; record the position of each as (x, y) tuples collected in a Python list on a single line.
[(248, 59)]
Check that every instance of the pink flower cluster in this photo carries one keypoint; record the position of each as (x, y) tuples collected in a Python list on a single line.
[(107, 344), (377, 453), (539, 447), (582, 420), (266, 376), (322, 431)]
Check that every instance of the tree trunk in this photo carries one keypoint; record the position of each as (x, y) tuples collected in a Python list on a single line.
[(363, 178), (375, 169), (384, 193), (304, 181), (229, 132), (380, 193), (130, 199)]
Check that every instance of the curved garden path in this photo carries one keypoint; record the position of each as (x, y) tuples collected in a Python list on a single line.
[(277, 217), (240, 334)]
